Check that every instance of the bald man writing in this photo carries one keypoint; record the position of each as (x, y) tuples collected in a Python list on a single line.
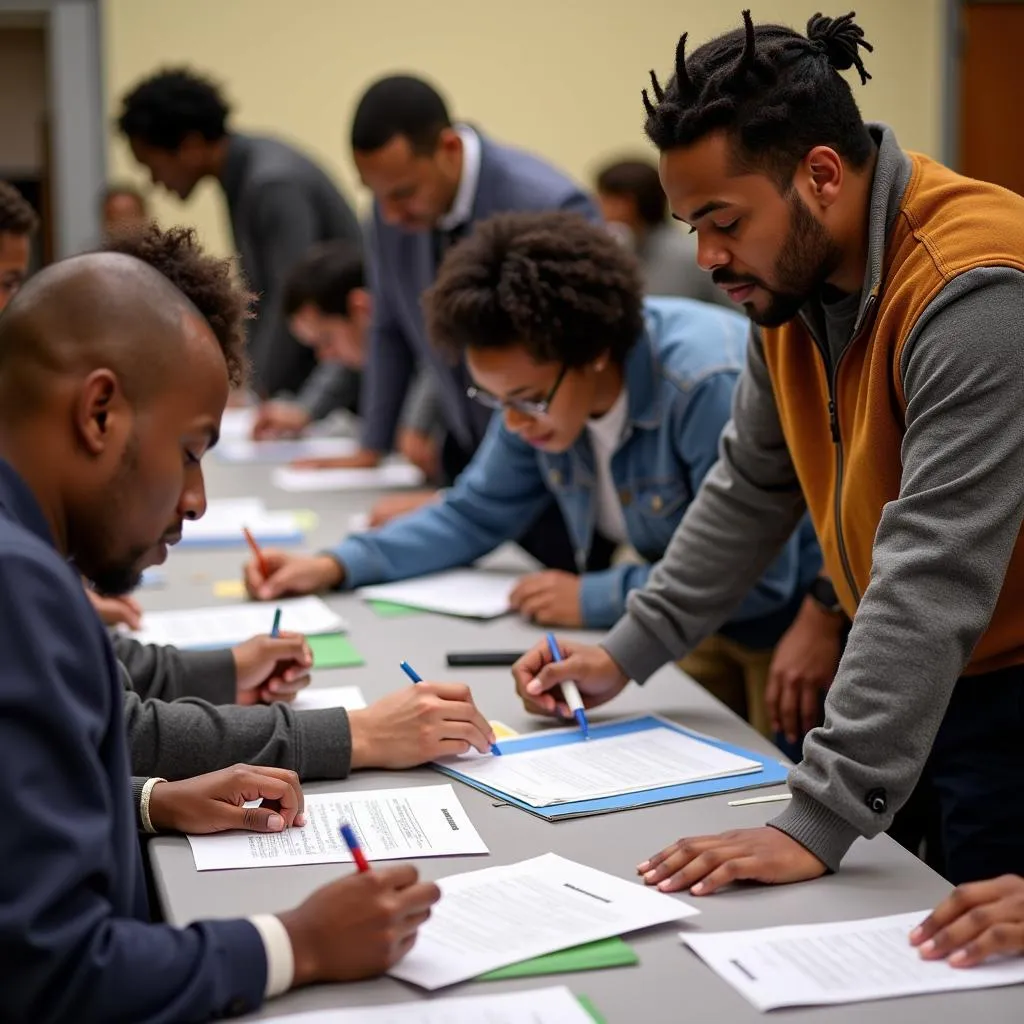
[(112, 386)]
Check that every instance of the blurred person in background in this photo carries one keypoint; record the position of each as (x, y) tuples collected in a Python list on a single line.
[(279, 201), (122, 207), (635, 208), (18, 221)]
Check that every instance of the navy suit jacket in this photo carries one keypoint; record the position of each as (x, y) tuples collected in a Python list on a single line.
[(402, 266), (76, 942)]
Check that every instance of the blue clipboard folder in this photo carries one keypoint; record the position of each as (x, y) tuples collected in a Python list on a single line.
[(771, 774)]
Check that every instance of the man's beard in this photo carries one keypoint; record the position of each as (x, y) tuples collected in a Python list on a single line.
[(91, 552), (807, 258)]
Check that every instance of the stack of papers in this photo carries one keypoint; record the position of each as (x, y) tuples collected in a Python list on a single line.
[(390, 476), (225, 517), (244, 450), (229, 624), (633, 763), (467, 593), (840, 962), (391, 824), (499, 916), (539, 1006)]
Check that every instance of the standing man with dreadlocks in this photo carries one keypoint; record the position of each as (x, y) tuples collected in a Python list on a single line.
[(882, 393)]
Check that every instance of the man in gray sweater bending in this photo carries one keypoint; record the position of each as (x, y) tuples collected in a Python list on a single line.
[(882, 394)]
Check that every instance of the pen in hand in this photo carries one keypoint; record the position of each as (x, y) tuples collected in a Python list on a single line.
[(417, 678), (570, 691), (349, 835), (256, 552), (275, 629)]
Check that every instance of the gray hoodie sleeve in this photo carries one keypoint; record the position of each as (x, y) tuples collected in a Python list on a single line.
[(168, 673), (939, 559), (745, 511), (185, 737)]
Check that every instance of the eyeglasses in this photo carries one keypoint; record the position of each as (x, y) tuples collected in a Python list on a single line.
[(520, 405)]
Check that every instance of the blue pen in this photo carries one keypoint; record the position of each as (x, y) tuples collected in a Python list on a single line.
[(570, 691), (275, 629), (349, 835), (416, 678)]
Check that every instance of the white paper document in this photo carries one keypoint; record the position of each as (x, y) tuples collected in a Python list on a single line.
[(499, 916), (534, 1006), (467, 593), (315, 698), (838, 962), (391, 824), (603, 767), (392, 475), (237, 422), (229, 624), (245, 450), (225, 518)]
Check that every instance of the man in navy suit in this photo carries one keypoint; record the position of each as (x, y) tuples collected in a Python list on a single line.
[(112, 387), (432, 180)]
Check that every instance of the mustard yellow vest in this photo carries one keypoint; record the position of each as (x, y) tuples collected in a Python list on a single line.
[(946, 226)]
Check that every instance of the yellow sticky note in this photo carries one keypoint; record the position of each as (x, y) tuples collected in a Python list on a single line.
[(306, 519), (233, 589), (502, 731)]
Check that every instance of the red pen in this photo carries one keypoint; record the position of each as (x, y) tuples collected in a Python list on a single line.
[(257, 554), (352, 843)]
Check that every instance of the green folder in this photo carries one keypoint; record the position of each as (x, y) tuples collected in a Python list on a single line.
[(589, 957), (390, 610), (591, 1010), (332, 650)]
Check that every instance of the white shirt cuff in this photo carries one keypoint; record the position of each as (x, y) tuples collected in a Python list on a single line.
[(280, 958)]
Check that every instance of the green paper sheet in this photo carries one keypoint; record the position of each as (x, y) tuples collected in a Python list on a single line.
[(591, 1009), (390, 610), (332, 650), (588, 957)]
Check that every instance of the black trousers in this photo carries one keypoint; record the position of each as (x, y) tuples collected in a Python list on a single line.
[(967, 811), (547, 537)]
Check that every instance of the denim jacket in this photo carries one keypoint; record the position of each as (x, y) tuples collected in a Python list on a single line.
[(679, 379)]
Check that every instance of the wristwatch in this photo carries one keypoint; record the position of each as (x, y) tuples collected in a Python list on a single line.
[(823, 594)]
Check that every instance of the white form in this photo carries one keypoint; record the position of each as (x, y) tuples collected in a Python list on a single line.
[(246, 451), (602, 766), (499, 916), (315, 698), (391, 824), (467, 593), (229, 624), (237, 422), (534, 1006), (391, 475), (225, 518), (838, 962)]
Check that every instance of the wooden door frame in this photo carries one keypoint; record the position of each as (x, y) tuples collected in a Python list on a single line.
[(952, 33)]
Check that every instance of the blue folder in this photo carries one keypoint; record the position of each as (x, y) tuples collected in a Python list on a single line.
[(771, 774), (231, 540)]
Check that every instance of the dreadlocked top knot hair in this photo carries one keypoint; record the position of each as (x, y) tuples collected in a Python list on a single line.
[(839, 39), (776, 93)]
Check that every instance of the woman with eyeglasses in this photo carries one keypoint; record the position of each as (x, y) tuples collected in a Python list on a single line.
[(610, 402)]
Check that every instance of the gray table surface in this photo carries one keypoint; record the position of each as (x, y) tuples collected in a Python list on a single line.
[(670, 983)]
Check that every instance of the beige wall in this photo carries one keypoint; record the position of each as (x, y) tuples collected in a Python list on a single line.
[(562, 77)]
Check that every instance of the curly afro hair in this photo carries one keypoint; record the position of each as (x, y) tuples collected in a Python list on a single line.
[(206, 281), (16, 215), (173, 103), (558, 285)]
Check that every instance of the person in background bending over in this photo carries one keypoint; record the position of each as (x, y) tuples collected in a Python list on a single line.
[(279, 201), (329, 308), (635, 209)]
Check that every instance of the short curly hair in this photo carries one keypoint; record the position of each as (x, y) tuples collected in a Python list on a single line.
[(164, 108), (16, 214), (553, 282), (206, 281)]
